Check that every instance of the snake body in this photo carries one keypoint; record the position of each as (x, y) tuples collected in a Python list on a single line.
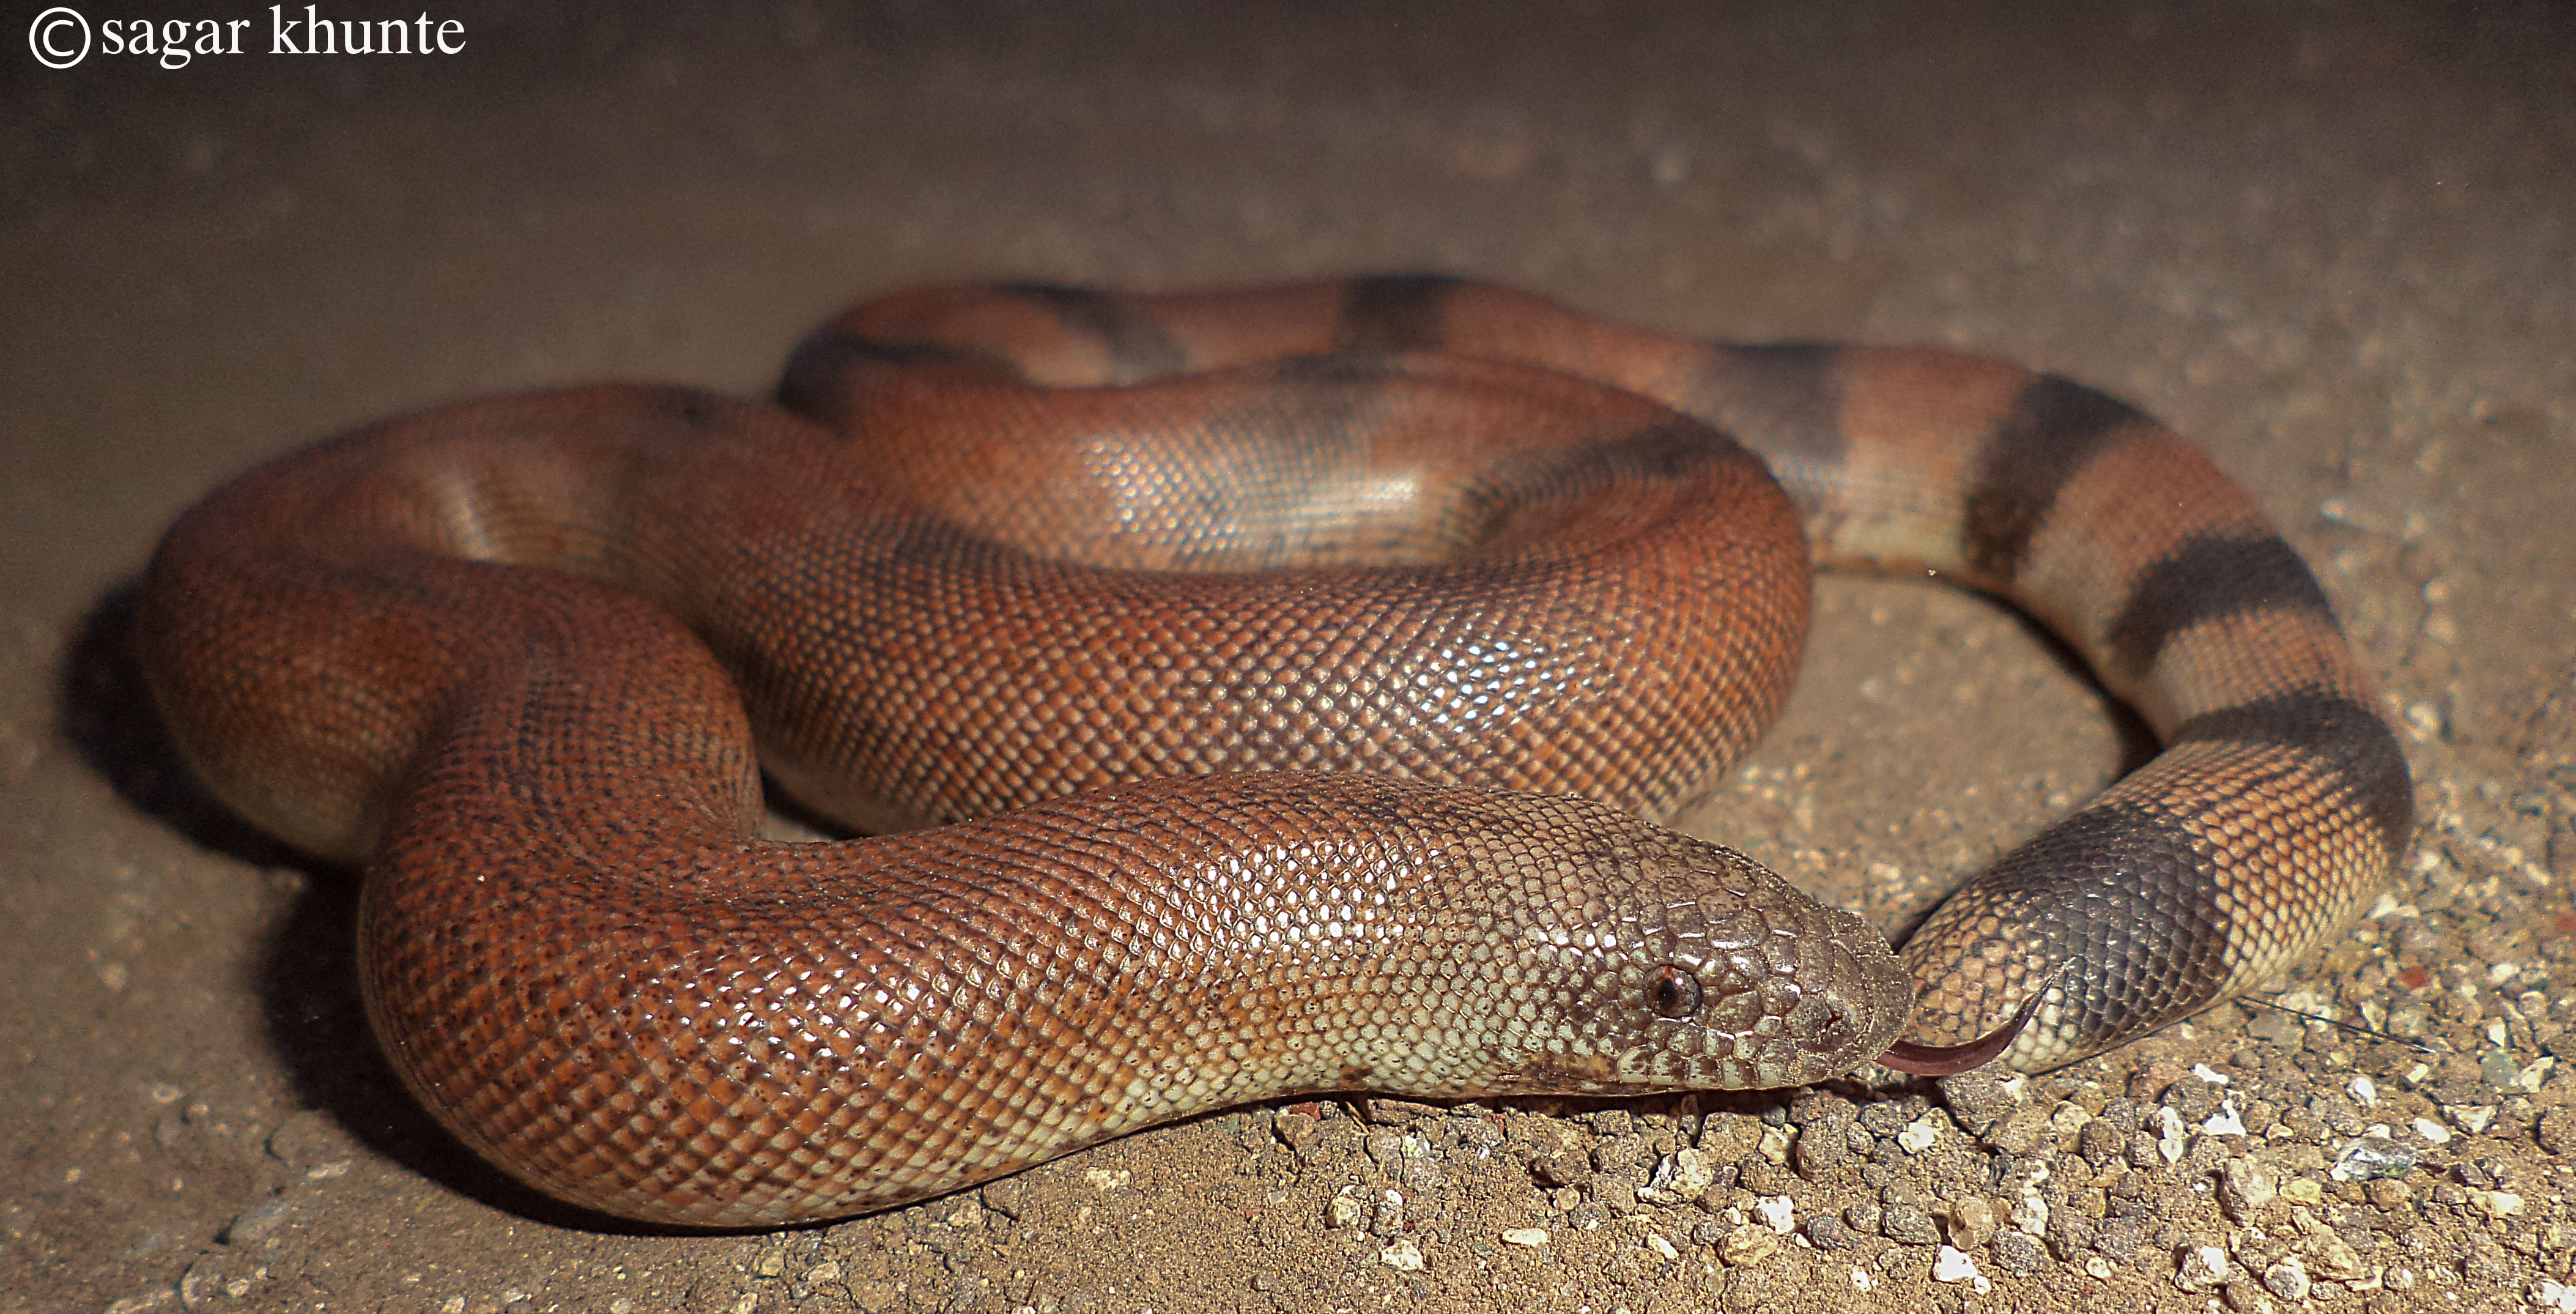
[(1202, 632)]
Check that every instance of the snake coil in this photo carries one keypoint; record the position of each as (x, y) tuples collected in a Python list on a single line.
[(1204, 632)]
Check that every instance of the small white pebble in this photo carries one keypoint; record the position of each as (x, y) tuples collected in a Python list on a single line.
[(2209, 1074), (2497, 1204), (2432, 1131), (2306, 1001), (1919, 1135), (2365, 1091), (2215, 1258), (2030, 1215), (1861, 1280), (2503, 972), (2545, 1293), (1685, 1174), (1525, 1236), (1748, 1245), (1775, 1144), (2225, 1122), (1655, 1241), (2251, 1181), (2424, 720), (2097, 1266), (1777, 1211), (2288, 1278), (1403, 1256), (2192, 1275), (1954, 1265)]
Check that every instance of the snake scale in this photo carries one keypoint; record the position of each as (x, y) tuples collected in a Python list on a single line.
[(1266, 692)]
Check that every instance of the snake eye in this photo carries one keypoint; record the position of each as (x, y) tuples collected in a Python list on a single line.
[(1672, 993)]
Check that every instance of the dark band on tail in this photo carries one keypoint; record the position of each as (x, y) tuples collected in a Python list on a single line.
[(2207, 578), (2329, 731), (1783, 400), (1657, 454), (815, 381), (2131, 871), (1140, 346), (1395, 312), (2055, 427)]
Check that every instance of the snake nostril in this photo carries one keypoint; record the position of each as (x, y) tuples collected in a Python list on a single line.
[(1837, 1027), (1672, 994)]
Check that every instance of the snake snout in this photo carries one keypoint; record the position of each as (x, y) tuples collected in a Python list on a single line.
[(1855, 998)]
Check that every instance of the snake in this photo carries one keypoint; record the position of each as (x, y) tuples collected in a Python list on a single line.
[(1237, 695)]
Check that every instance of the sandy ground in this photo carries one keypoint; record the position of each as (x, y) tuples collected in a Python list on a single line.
[(2331, 240)]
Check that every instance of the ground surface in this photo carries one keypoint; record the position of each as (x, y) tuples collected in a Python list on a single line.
[(2333, 241)]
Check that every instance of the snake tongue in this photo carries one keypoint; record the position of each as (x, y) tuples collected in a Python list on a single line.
[(1949, 1060)]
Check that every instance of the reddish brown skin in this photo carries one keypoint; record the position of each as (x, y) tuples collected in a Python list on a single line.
[(516, 655), (2282, 799)]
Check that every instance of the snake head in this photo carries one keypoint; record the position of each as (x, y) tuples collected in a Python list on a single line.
[(1794, 994), (1694, 968)]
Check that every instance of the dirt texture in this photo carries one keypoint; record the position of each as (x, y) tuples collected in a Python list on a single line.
[(2335, 242)]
